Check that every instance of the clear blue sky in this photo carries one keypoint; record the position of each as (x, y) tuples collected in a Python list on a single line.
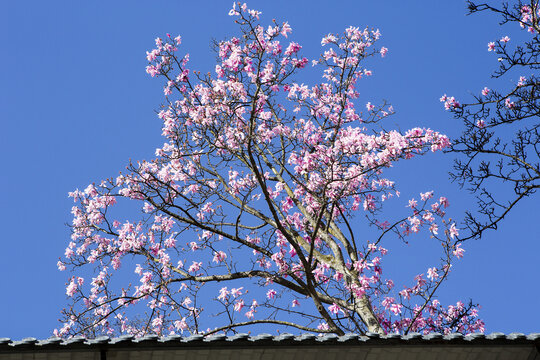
[(76, 105)]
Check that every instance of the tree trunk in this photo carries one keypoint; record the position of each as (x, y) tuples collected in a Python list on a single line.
[(363, 308)]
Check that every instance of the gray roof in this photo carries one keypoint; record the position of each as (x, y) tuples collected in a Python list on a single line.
[(280, 347)]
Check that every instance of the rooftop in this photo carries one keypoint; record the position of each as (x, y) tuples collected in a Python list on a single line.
[(280, 347)]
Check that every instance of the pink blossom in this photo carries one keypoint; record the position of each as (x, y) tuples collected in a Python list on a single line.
[(360, 265), (383, 51), (270, 294), (285, 29), (491, 46), (334, 308), (450, 102), (170, 242), (187, 302), (146, 277), (509, 104), (323, 326), (526, 9), (444, 201), (272, 30), (481, 124), (152, 70), (254, 13), (396, 308), (485, 91), (328, 39), (236, 291), (238, 305), (151, 56), (181, 324), (147, 207), (432, 273), (295, 303), (195, 266), (116, 262), (219, 256), (223, 294), (250, 314), (428, 216), (91, 190), (369, 203), (71, 288), (61, 265), (233, 11), (157, 322), (292, 48), (63, 331), (453, 231), (426, 196), (387, 302), (415, 223), (505, 39), (458, 251), (406, 293)]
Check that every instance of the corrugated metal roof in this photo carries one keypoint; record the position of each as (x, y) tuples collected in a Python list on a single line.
[(280, 347)]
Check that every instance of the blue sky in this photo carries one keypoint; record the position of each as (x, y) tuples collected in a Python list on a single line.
[(76, 105)]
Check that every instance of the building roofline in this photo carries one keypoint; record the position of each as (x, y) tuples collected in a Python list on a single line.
[(154, 342)]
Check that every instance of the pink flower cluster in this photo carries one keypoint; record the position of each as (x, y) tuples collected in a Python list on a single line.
[(449, 102)]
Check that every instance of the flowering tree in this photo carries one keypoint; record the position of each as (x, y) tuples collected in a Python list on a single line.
[(247, 210), (490, 153)]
